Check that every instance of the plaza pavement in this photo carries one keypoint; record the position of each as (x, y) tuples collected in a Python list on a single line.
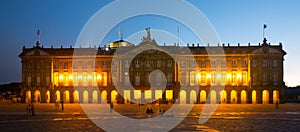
[(227, 117)]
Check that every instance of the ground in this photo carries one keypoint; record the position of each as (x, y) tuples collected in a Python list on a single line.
[(227, 117)]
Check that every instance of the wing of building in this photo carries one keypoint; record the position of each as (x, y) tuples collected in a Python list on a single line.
[(240, 74)]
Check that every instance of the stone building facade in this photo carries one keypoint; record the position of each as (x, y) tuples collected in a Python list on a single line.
[(240, 74)]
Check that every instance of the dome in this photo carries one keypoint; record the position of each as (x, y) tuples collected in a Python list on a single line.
[(119, 43)]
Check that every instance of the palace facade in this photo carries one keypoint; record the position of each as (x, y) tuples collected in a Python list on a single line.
[(240, 74)]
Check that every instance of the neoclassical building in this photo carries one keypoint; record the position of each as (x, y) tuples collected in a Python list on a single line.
[(121, 72)]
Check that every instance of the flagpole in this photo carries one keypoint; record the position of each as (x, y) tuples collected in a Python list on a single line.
[(178, 35)]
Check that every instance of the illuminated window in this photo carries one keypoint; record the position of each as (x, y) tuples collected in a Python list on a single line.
[(244, 78), (213, 78), (192, 78), (104, 64), (55, 78), (169, 94), (202, 78), (233, 78), (137, 94), (158, 94), (104, 77), (182, 77), (223, 78), (148, 94)]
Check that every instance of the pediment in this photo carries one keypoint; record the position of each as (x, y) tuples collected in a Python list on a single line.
[(266, 50), (37, 52)]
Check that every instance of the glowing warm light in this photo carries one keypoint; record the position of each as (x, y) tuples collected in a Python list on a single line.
[(79, 77), (148, 94), (239, 75), (169, 94), (198, 75), (208, 75), (70, 77), (228, 76), (61, 77), (137, 94), (99, 77), (218, 76), (89, 77)]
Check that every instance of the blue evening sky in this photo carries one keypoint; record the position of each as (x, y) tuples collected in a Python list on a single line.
[(61, 21)]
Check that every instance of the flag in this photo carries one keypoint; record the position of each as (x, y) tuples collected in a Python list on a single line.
[(265, 26), (38, 32)]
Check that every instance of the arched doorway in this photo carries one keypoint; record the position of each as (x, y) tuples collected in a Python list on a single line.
[(104, 97), (202, 96), (85, 96), (48, 96), (233, 97), (95, 97), (193, 97), (182, 97), (57, 96), (76, 96), (127, 96), (243, 97), (276, 96), (213, 96), (265, 97), (67, 96), (223, 97), (28, 97), (113, 95), (254, 97), (37, 96)]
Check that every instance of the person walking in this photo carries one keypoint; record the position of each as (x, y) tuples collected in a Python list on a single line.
[(32, 110), (62, 104), (111, 106)]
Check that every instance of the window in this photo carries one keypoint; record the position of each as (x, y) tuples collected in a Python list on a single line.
[(147, 64), (83, 65), (169, 77), (213, 64), (193, 63), (223, 64), (233, 78), (233, 63), (265, 63), (38, 65), (104, 77), (192, 78), (75, 65), (213, 78), (275, 76), (104, 64), (202, 78), (158, 63), (244, 63), (275, 63), (244, 78), (265, 77), (137, 80), (203, 64), (169, 63), (223, 78), (137, 64), (56, 65), (254, 63), (182, 64), (66, 65), (38, 80), (254, 78)]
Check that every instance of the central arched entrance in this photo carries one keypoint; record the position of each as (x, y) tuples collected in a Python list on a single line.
[(28, 97), (276, 96), (67, 96), (223, 97), (193, 97), (48, 96), (95, 97), (202, 96), (114, 96), (254, 97), (243, 97), (85, 96), (182, 97), (57, 95), (265, 97), (104, 97), (75, 96), (37, 96), (233, 97), (213, 96)]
